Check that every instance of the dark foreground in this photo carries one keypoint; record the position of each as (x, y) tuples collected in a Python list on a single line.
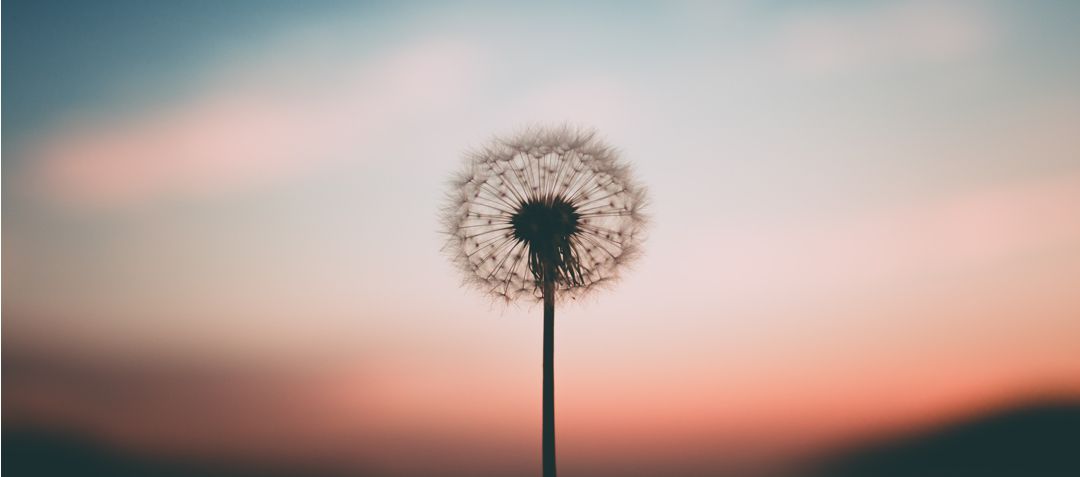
[(1041, 440)]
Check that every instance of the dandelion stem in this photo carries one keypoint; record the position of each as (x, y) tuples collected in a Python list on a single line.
[(548, 413)]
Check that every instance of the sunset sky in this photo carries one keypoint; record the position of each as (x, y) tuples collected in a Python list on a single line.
[(221, 226)]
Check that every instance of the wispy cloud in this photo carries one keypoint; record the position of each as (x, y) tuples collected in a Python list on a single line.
[(832, 41), (258, 124)]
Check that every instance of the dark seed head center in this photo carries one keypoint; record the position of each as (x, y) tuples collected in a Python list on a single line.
[(545, 224)]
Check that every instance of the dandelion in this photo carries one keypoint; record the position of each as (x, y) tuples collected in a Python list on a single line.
[(546, 214)]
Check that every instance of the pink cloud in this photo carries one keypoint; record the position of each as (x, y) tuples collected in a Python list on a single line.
[(248, 130), (961, 233)]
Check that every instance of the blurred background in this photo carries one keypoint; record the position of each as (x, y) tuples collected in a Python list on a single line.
[(221, 252)]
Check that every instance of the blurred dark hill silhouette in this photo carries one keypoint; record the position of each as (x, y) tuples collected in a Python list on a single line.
[(1035, 440), (37, 452)]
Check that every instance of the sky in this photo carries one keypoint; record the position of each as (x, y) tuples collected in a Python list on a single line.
[(221, 226)]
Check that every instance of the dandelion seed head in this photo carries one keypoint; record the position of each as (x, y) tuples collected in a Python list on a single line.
[(548, 204)]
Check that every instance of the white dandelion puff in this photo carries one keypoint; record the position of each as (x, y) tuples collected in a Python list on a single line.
[(548, 204)]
